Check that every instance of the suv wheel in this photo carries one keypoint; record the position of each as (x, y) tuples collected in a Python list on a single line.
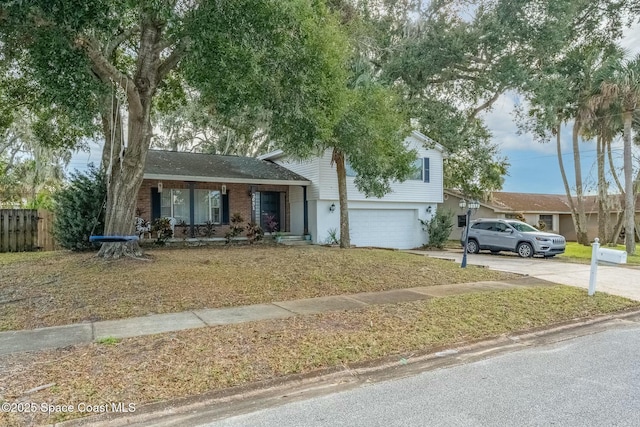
[(472, 247), (525, 250)]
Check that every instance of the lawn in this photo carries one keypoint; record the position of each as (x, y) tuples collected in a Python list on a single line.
[(580, 253), (56, 288), (163, 367)]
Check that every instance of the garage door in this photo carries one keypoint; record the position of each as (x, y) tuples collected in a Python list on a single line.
[(385, 228)]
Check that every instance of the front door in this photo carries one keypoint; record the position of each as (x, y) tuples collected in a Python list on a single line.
[(270, 208)]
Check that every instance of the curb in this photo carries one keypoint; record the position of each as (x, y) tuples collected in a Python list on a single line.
[(218, 404)]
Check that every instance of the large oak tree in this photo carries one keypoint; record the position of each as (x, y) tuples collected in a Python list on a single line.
[(109, 60)]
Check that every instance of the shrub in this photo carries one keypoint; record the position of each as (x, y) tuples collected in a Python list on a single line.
[(235, 229), (438, 228), (79, 210), (208, 229), (270, 223), (162, 228), (254, 232)]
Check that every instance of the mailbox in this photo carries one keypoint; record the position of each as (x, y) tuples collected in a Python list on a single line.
[(612, 255)]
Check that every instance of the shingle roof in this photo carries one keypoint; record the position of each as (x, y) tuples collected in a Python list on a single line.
[(524, 202), (543, 203), (213, 167)]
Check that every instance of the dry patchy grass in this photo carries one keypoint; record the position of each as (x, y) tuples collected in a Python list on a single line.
[(167, 366), (60, 288)]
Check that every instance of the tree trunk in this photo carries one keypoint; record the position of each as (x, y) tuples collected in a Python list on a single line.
[(603, 211), (581, 222), (565, 182), (338, 158), (127, 167), (629, 196)]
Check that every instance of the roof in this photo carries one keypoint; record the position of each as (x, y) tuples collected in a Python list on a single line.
[(174, 165), (501, 201), (529, 202)]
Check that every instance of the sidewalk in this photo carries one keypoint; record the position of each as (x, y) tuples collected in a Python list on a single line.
[(84, 333)]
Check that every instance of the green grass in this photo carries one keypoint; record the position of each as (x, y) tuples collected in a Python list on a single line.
[(580, 253)]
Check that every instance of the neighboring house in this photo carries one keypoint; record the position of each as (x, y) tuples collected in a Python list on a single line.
[(391, 221), (200, 188), (552, 209)]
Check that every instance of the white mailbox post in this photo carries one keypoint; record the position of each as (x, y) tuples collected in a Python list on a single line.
[(612, 256)]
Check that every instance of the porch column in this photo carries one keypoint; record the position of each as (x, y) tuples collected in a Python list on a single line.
[(306, 210)]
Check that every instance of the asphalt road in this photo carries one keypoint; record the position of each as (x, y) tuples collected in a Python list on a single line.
[(592, 380)]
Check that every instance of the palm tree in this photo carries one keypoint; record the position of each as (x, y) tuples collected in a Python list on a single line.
[(619, 86)]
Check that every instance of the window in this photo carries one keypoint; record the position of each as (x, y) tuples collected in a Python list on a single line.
[(207, 206), (462, 220), (420, 170), (176, 203), (548, 221), (349, 169), (488, 226)]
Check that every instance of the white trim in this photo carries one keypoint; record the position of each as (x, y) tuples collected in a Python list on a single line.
[(272, 155), (425, 138), (168, 177)]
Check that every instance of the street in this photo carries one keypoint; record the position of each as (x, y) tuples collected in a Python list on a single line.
[(593, 380)]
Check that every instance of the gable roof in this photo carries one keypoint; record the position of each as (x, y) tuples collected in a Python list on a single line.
[(181, 166)]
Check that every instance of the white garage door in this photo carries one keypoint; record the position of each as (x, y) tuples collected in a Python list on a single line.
[(385, 228)]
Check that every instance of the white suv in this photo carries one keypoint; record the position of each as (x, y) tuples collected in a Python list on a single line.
[(510, 235)]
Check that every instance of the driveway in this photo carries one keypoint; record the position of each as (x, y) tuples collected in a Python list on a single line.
[(616, 280)]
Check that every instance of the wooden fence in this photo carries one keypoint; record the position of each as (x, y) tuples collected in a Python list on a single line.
[(23, 230)]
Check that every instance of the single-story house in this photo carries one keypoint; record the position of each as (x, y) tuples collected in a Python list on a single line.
[(196, 189), (391, 221), (552, 209)]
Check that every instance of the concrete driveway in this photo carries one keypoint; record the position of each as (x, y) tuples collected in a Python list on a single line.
[(616, 280)]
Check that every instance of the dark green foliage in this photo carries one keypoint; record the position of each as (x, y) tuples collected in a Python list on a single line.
[(438, 228), (254, 232), (208, 229), (79, 210), (235, 229), (161, 227)]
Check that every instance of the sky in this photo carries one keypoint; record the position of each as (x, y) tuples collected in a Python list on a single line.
[(534, 166)]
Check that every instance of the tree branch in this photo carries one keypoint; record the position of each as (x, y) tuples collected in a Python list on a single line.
[(119, 39), (488, 103), (105, 69), (172, 60)]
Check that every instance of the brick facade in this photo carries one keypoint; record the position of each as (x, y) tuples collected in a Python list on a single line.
[(239, 200)]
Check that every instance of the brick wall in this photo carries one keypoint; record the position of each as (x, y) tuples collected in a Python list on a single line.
[(239, 199)]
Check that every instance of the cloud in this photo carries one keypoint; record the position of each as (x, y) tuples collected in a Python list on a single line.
[(631, 39)]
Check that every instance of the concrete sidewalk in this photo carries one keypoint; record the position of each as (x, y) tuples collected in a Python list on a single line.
[(83, 333)]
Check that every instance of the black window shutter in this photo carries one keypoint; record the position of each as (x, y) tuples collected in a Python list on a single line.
[(225, 208), (425, 169), (155, 204)]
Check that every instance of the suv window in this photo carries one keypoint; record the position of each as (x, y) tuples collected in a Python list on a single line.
[(487, 225), (501, 227), (521, 226)]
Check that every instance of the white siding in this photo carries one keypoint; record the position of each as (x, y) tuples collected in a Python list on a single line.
[(309, 169), (407, 191)]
